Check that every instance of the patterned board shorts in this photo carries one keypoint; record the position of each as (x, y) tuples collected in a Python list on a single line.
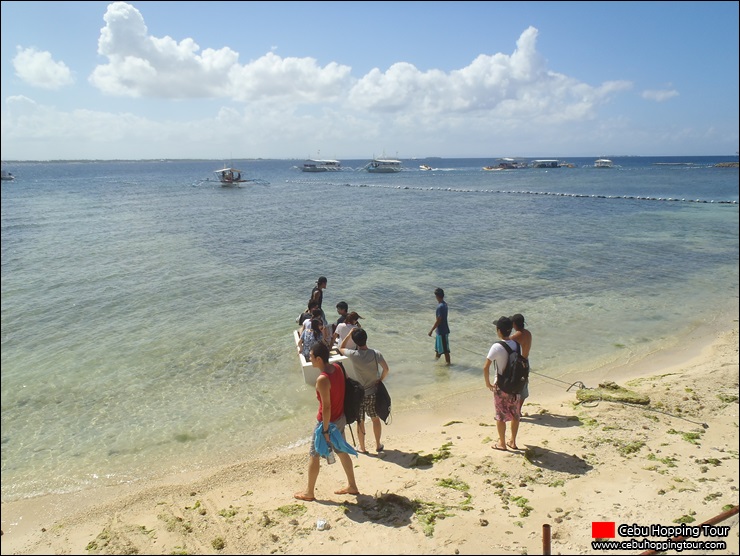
[(368, 407), (506, 406)]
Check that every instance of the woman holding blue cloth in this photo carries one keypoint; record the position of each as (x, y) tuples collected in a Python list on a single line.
[(329, 433)]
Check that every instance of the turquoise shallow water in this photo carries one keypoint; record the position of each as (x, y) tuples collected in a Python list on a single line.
[(147, 314)]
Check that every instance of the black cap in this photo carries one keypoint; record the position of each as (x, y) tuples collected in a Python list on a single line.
[(503, 324)]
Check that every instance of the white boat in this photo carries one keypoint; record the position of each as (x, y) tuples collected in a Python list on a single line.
[(511, 163), (424, 167), (603, 163), (229, 177), (311, 373), (7, 176), (546, 163), (316, 165), (384, 166)]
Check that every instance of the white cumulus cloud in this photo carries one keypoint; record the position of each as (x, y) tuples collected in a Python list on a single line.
[(499, 85), (40, 70), (140, 65)]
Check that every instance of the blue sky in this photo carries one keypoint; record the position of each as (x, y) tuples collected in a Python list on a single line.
[(216, 80)]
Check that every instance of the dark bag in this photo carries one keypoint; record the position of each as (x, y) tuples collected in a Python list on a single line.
[(354, 394), (516, 374), (383, 403)]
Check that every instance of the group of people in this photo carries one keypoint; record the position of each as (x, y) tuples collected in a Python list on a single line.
[(318, 337), (508, 407)]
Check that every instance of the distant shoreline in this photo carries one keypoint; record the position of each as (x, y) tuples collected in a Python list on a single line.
[(732, 164)]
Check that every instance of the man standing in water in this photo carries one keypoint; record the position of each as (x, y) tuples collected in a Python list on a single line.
[(317, 294), (442, 345)]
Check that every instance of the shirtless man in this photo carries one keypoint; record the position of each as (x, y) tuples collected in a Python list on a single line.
[(524, 338)]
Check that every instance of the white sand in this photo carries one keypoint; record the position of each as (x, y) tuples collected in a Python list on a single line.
[(612, 462)]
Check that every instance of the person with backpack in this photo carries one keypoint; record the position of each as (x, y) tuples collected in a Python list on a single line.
[(506, 405), (367, 364), (330, 392), (523, 337)]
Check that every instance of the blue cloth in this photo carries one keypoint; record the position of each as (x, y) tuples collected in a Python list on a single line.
[(336, 438)]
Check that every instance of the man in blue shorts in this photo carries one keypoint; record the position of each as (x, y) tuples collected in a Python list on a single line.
[(442, 345)]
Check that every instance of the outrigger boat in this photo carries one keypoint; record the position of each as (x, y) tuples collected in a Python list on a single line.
[(229, 177), (384, 166), (316, 165)]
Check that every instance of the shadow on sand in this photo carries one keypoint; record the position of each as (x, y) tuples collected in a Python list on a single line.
[(556, 461)]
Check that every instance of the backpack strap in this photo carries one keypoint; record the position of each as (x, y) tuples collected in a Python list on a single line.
[(344, 372), (508, 349)]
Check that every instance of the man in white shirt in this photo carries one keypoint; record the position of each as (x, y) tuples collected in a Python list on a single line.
[(506, 405)]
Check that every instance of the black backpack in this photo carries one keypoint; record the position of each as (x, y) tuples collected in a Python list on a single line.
[(516, 374), (354, 395)]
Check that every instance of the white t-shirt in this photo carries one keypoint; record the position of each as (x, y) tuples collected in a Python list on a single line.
[(500, 357), (342, 330)]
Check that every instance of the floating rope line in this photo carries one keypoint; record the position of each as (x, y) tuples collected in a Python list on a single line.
[(512, 192)]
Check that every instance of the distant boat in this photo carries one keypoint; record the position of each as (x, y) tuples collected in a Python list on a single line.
[(510, 164), (546, 163), (7, 176), (316, 165), (603, 163), (384, 166), (229, 177), (424, 167)]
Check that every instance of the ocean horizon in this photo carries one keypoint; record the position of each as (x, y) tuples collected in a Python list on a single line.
[(148, 312), (655, 159)]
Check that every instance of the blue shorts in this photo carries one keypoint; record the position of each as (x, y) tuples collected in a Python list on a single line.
[(442, 344)]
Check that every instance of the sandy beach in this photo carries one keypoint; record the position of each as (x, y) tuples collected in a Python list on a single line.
[(439, 487)]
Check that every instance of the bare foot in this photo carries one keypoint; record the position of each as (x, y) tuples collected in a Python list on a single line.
[(347, 490), (303, 496), (497, 447), (512, 445)]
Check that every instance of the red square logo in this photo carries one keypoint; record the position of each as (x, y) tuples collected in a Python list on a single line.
[(602, 529)]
